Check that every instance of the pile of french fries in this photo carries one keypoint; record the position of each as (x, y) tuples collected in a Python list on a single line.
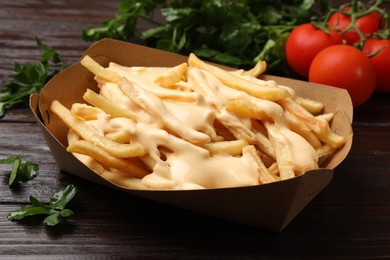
[(231, 114)]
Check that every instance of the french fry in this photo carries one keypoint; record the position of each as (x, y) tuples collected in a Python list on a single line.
[(265, 175), (121, 180), (235, 82), (324, 150), (262, 140), (247, 109), (302, 129), (319, 126), (85, 112), (72, 136), (172, 76), (283, 156), (312, 106), (123, 136), (144, 71), (233, 147), (99, 70), (90, 162), (265, 145), (273, 169), (100, 155), (113, 148), (106, 105), (257, 70), (118, 178), (235, 126), (327, 117)]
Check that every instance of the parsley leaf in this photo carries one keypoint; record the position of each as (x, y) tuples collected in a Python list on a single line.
[(55, 209), (123, 25), (22, 171), (30, 78)]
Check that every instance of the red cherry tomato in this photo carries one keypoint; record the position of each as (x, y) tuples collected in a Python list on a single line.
[(380, 49), (367, 24), (345, 67), (303, 44)]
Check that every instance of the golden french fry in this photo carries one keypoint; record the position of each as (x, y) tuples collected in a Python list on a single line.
[(118, 178), (314, 107), (122, 136), (319, 126), (123, 181), (265, 145), (273, 169), (144, 71), (72, 136), (262, 140), (257, 70), (83, 130), (261, 91), (233, 147), (172, 76), (99, 70), (85, 112), (247, 109), (100, 155), (88, 161), (264, 175), (282, 153), (108, 106), (324, 150), (235, 127), (327, 117), (302, 129)]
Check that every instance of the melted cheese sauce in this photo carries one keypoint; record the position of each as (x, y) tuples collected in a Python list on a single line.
[(164, 127)]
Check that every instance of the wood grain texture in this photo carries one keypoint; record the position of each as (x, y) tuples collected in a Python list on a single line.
[(350, 219)]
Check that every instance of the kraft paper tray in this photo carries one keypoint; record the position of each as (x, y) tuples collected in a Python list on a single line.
[(270, 206)]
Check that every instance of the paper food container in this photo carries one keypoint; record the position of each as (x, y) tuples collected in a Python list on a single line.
[(269, 206)]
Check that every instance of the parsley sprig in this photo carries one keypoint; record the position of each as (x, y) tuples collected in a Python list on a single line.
[(55, 210), (123, 25), (29, 78), (22, 171), (234, 33)]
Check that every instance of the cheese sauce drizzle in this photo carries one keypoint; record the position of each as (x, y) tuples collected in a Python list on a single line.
[(177, 163)]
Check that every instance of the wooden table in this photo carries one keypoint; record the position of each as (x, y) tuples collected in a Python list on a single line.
[(350, 219)]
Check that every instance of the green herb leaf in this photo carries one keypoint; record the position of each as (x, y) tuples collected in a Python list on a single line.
[(27, 211), (22, 171), (38, 204), (66, 213), (30, 78), (61, 197), (123, 25), (15, 169), (52, 219), (54, 210)]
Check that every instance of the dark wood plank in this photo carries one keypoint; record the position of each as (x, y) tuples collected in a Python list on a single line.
[(350, 219), (57, 23)]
